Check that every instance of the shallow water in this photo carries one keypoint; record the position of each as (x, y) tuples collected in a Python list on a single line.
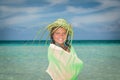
[(101, 62)]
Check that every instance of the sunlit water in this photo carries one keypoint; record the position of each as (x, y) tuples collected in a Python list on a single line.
[(29, 62)]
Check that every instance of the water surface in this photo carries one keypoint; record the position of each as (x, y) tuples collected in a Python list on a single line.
[(19, 61)]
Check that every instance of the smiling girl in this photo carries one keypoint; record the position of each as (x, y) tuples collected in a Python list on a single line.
[(63, 61)]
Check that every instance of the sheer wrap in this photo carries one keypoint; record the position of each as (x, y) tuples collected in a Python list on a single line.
[(63, 65)]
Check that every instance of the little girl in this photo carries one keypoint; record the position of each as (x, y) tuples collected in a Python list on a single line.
[(63, 61)]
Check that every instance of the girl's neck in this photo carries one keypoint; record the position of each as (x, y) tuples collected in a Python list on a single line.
[(63, 46), (60, 45)]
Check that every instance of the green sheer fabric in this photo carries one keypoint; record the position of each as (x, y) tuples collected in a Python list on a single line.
[(63, 65)]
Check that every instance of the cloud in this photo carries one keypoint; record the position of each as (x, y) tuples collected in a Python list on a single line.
[(9, 11), (12, 1), (73, 9), (109, 3), (98, 22), (101, 18), (16, 20), (103, 5), (21, 16), (25, 15), (98, 17), (25, 22), (55, 2)]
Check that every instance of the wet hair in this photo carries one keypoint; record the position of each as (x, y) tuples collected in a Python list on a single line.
[(67, 42)]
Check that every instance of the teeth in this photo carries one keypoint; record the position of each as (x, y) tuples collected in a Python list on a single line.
[(60, 39)]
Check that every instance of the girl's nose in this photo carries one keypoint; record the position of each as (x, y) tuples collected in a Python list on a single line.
[(61, 34)]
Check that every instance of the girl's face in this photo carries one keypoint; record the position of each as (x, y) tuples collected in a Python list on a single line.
[(60, 35)]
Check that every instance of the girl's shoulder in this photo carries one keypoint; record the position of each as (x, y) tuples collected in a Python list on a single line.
[(53, 46)]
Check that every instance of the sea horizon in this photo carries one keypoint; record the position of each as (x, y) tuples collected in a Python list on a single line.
[(42, 42)]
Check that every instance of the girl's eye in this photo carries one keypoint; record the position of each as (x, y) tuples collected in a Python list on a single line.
[(60, 33), (57, 33), (64, 33)]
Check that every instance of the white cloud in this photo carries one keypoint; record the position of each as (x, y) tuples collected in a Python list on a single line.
[(109, 3), (54, 2), (22, 19), (103, 20), (7, 10), (24, 16), (26, 20), (98, 18), (33, 13), (12, 1), (79, 10), (104, 5)]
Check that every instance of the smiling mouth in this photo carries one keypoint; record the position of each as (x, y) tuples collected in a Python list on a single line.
[(60, 39)]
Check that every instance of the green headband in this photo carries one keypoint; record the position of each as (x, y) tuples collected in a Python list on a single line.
[(61, 23)]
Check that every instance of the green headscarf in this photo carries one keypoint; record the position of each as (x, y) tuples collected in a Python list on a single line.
[(61, 23)]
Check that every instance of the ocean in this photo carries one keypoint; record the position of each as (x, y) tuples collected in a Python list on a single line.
[(27, 59)]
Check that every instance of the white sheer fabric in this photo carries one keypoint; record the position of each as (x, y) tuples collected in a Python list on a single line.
[(63, 65)]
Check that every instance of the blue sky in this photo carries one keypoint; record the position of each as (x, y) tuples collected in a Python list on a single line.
[(91, 19)]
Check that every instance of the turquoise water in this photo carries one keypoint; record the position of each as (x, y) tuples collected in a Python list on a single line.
[(19, 61)]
